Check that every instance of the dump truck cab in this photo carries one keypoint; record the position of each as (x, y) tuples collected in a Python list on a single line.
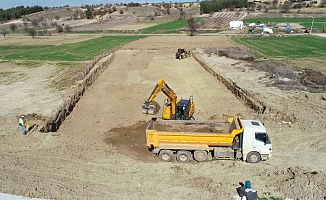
[(255, 141)]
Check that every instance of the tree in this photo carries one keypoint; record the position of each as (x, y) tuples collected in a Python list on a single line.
[(82, 14), (4, 32), (285, 7), (89, 13), (31, 32), (13, 27), (57, 17), (35, 22), (75, 15), (68, 28), (182, 15), (53, 24), (192, 25), (168, 10), (59, 29)]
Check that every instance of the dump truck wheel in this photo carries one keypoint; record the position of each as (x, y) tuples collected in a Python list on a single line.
[(200, 155), (253, 157), (183, 156), (166, 155)]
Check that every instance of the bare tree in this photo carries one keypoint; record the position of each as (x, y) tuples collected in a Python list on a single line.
[(168, 10), (45, 25), (75, 15), (192, 25), (252, 7), (68, 28), (13, 27), (57, 17), (82, 14), (25, 23), (35, 22), (31, 32), (285, 7), (182, 15), (4, 32), (323, 3), (53, 24)]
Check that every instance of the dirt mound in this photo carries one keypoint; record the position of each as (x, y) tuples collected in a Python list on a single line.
[(294, 181), (131, 140)]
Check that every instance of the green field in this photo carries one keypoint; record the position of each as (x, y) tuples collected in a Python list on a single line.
[(81, 51), (169, 27), (301, 52), (306, 22), (289, 47)]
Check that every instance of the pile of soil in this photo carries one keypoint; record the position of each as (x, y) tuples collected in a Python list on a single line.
[(131, 141)]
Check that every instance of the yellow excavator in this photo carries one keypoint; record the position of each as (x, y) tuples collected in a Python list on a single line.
[(173, 109), (182, 53)]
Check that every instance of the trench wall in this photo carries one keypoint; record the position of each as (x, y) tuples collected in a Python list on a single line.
[(84, 80), (243, 95)]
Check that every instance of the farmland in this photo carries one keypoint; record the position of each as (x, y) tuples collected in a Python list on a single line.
[(81, 51), (306, 22), (300, 51), (166, 27), (292, 47)]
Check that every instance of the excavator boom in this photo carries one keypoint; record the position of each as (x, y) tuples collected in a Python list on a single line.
[(151, 107)]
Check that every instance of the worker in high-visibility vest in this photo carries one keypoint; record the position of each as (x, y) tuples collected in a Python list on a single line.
[(22, 124)]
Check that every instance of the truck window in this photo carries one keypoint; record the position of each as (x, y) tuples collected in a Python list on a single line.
[(262, 137)]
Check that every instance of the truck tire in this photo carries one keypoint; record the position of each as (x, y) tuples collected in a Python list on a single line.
[(253, 157), (166, 155), (200, 155), (183, 156)]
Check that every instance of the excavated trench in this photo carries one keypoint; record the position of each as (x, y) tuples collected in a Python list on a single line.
[(86, 79), (240, 93)]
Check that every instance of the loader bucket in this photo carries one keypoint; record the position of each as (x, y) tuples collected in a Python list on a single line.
[(150, 108)]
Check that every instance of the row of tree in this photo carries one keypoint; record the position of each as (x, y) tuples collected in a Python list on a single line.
[(18, 12), (218, 5)]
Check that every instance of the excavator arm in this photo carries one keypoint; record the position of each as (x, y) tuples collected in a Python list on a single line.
[(149, 108)]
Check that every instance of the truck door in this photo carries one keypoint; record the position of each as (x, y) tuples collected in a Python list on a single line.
[(262, 143)]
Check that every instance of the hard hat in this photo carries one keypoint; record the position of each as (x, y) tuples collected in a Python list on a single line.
[(22, 116)]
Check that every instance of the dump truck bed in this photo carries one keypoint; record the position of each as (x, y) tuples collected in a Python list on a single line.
[(192, 134)]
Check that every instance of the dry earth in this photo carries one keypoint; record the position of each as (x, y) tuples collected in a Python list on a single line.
[(100, 152)]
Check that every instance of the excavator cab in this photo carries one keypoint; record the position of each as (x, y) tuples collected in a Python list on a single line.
[(185, 109), (173, 108)]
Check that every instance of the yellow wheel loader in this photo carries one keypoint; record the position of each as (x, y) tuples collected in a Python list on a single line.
[(182, 53), (173, 109)]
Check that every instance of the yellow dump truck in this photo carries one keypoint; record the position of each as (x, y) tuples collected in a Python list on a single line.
[(232, 139)]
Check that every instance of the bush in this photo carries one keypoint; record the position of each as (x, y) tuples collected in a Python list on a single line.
[(121, 11), (68, 28), (59, 29), (57, 17)]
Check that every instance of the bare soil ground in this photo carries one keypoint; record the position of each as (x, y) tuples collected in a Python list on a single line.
[(100, 151)]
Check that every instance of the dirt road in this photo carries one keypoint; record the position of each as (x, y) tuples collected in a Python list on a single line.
[(99, 152)]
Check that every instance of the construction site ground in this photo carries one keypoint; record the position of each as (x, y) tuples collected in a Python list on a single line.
[(100, 150)]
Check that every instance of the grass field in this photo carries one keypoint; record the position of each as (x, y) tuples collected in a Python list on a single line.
[(81, 51), (165, 27), (306, 22), (300, 51)]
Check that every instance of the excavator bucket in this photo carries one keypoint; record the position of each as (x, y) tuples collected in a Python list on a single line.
[(150, 108)]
